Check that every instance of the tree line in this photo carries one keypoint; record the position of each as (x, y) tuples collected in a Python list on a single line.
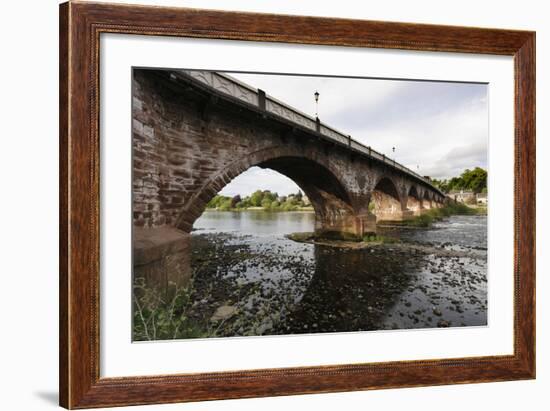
[(470, 180), (263, 199)]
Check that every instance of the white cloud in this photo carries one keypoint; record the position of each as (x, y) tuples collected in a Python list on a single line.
[(441, 145), (298, 91), (256, 178)]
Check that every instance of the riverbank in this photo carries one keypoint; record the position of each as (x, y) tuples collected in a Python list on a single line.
[(424, 221), (276, 209), (437, 214)]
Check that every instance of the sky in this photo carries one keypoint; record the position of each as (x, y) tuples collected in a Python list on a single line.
[(438, 129)]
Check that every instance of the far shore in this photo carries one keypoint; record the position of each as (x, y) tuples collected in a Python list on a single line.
[(299, 209)]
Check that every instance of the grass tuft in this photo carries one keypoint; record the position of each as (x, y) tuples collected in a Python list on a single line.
[(159, 318)]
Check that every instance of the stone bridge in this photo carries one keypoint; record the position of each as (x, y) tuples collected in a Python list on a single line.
[(194, 131)]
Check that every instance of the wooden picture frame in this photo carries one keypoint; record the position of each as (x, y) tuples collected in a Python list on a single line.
[(80, 27)]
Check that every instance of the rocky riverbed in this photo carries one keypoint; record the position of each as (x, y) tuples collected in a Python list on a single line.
[(246, 284)]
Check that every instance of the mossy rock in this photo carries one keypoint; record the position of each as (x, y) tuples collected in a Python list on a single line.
[(338, 236)]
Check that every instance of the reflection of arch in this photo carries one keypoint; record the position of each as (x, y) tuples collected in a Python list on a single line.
[(386, 199), (314, 176), (338, 274)]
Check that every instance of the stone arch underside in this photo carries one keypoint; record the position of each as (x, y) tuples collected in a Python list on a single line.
[(388, 203), (334, 210), (330, 200), (427, 202), (414, 201)]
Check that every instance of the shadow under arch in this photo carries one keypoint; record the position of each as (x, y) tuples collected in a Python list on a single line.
[(386, 200), (427, 201), (414, 202), (360, 299)]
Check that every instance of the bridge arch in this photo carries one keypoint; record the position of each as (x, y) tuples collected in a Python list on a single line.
[(414, 201), (427, 200), (386, 200), (312, 172)]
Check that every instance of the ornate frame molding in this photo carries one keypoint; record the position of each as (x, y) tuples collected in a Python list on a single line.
[(80, 27)]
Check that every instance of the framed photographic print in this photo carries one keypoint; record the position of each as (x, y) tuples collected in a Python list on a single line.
[(256, 205)]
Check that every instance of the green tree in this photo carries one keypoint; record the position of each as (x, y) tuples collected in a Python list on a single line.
[(471, 180), (216, 201), (475, 180), (225, 204), (235, 200), (456, 183), (256, 198), (270, 196)]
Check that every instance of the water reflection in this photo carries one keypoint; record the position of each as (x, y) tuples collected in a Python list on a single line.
[(258, 223), (351, 290)]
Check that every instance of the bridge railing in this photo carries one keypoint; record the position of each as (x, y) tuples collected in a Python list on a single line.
[(248, 94), (274, 106)]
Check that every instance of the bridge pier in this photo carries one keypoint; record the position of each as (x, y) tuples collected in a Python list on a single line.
[(413, 202), (347, 225), (162, 258)]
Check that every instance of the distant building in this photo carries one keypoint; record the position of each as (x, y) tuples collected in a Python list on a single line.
[(468, 197), (462, 196), (481, 198)]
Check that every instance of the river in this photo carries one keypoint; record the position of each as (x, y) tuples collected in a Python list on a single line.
[(434, 277)]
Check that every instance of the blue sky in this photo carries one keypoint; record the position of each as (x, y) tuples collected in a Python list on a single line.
[(437, 129)]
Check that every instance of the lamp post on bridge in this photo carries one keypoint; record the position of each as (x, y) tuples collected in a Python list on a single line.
[(316, 95)]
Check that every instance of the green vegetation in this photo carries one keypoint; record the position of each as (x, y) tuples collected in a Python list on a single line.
[(302, 237), (160, 318), (435, 214), (373, 238), (307, 237), (423, 220), (265, 200), (337, 236), (470, 180)]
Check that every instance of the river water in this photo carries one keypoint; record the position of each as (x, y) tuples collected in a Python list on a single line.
[(434, 277)]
